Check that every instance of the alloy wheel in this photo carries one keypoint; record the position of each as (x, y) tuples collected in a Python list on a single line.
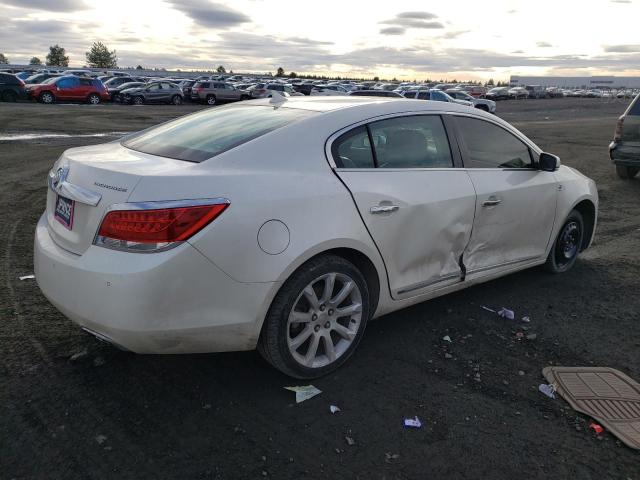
[(324, 320)]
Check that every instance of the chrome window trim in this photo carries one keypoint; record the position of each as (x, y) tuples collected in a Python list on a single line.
[(508, 128)]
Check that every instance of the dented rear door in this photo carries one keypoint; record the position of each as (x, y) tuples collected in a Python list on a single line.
[(417, 207)]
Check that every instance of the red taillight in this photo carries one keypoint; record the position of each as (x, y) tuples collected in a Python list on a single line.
[(617, 135), (155, 228)]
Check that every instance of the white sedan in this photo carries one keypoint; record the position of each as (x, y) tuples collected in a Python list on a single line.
[(287, 224)]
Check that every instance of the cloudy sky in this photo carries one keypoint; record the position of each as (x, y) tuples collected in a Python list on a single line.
[(403, 38)]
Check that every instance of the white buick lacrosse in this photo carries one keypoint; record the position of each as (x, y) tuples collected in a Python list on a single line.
[(286, 224)]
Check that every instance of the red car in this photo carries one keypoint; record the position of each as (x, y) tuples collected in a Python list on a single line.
[(69, 88)]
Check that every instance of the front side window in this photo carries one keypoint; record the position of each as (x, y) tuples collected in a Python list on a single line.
[(154, 87), (205, 134), (411, 142), (491, 146)]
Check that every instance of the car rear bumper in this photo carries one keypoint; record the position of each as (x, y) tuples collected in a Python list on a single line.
[(624, 154), (175, 301)]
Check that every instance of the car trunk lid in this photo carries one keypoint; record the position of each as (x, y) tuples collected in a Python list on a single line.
[(90, 180)]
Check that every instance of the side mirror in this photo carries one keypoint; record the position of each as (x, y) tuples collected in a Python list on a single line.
[(548, 162)]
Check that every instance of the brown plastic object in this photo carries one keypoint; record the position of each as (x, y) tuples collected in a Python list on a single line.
[(607, 395)]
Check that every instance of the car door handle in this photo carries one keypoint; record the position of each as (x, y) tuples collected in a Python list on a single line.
[(492, 202), (378, 209)]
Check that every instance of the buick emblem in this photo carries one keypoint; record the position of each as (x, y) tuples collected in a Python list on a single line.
[(59, 176)]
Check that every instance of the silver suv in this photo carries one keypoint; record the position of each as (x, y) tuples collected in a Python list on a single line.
[(212, 92)]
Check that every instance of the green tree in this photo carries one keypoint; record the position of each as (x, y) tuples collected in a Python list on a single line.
[(293, 75), (490, 82), (35, 61), (280, 72), (101, 57), (3, 59), (221, 69), (376, 79), (56, 56), (139, 67)]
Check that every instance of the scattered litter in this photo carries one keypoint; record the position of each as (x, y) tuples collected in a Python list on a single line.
[(448, 355), (412, 422), (100, 439), (334, 409), (488, 309), (350, 441), (506, 313), (304, 392), (519, 335), (389, 457), (206, 406), (548, 389), (532, 336), (447, 338), (596, 428), (27, 277), (98, 361), (78, 356), (526, 319), (520, 372)]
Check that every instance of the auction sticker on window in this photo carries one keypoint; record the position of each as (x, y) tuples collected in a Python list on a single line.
[(64, 211)]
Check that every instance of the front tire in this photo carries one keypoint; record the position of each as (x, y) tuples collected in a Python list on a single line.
[(565, 249), (317, 318), (9, 96), (211, 100), (138, 100), (625, 172)]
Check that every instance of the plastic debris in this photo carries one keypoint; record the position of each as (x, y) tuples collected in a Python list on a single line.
[(389, 457), (350, 441), (526, 319), (304, 392), (506, 313), (334, 409), (412, 422), (519, 335), (488, 309), (27, 277), (447, 338), (549, 390), (532, 336), (100, 439), (596, 428)]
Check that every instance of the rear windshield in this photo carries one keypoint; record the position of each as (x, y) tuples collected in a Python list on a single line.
[(203, 135)]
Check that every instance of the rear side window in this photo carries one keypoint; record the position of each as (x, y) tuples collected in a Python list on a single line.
[(353, 150), (205, 134), (411, 142), (490, 146), (634, 109), (86, 82)]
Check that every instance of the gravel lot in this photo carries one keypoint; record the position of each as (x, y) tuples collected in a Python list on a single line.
[(110, 414)]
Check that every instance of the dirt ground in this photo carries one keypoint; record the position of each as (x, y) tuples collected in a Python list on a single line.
[(111, 414)]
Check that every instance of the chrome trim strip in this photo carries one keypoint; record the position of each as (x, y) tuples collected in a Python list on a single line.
[(58, 183), (428, 283), (506, 264)]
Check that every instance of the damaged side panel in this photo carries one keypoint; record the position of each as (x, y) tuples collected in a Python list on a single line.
[(424, 225)]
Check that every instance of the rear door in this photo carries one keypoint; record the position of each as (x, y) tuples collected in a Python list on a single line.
[(416, 205), (516, 202), (84, 89)]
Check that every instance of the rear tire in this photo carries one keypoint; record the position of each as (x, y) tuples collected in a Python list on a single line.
[(567, 245), (176, 100), (625, 172), (327, 333), (9, 96), (94, 99), (47, 98), (211, 100)]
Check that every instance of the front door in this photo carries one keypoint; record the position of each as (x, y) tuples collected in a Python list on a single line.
[(66, 88), (417, 207), (516, 202)]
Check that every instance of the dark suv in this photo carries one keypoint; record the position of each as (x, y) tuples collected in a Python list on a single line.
[(11, 88), (625, 148), (154, 92)]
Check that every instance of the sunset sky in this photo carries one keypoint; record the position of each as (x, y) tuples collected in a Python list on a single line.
[(405, 39)]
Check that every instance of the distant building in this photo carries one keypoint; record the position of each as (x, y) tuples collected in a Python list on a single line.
[(577, 82)]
